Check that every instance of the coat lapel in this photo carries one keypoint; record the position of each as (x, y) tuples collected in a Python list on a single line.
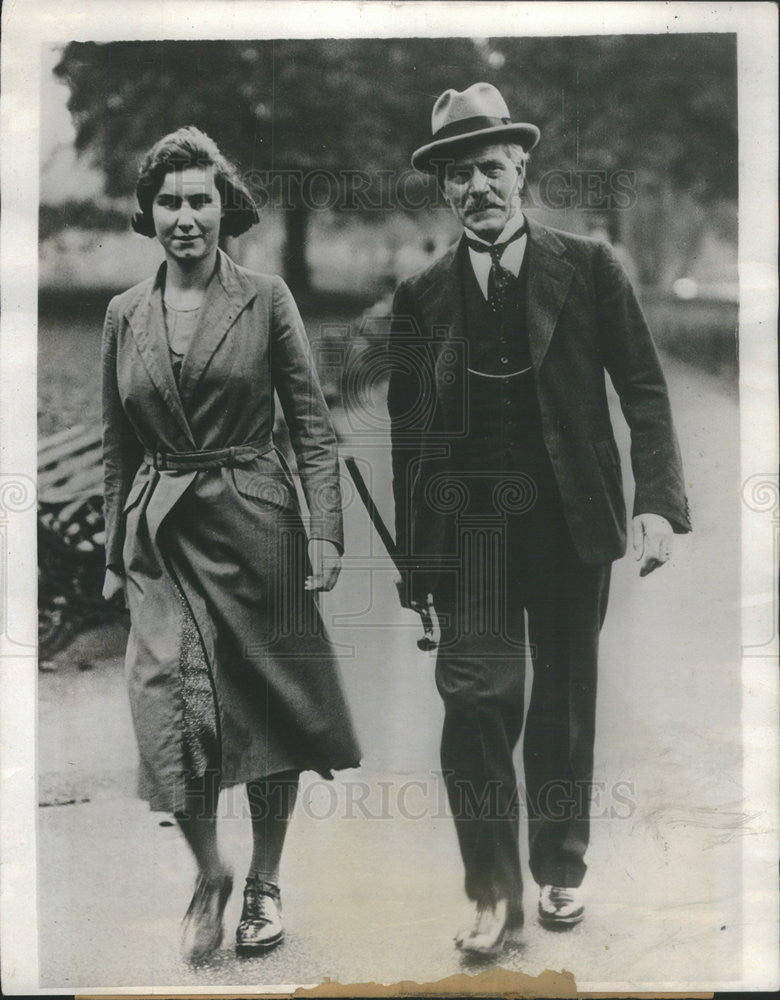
[(441, 301), (226, 296), (148, 327), (549, 278), (441, 304)]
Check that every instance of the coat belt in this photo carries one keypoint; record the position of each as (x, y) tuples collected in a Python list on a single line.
[(211, 458)]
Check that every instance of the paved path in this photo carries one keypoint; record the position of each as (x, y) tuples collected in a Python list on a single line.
[(371, 875)]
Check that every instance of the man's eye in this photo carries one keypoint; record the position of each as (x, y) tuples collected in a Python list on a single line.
[(167, 201), (200, 201)]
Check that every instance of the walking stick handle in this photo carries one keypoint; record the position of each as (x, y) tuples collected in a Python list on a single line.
[(427, 641)]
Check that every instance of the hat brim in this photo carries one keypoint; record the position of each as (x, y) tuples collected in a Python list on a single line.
[(523, 133)]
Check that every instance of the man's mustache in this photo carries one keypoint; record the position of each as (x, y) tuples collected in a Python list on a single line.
[(482, 204)]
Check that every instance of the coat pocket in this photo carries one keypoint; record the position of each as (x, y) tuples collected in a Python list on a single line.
[(267, 484), (135, 495)]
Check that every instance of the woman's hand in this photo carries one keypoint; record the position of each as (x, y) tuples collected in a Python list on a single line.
[(325, 564), (113, 584)]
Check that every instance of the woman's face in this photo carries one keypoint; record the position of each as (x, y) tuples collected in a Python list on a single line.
[(187, 211)]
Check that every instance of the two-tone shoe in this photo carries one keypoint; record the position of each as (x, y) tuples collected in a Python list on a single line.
[(560, 906), (201, 932), (488, 931), (260, 928)]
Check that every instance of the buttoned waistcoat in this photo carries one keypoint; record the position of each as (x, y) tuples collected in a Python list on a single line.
[(583, 322)]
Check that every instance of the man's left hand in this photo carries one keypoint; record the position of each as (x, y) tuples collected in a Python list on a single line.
[(652, 537), (325, 564)]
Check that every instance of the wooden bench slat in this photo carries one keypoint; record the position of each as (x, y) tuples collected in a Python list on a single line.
[(69, 468), (71, 536), (65, 435), (90, 481), (65, 449)]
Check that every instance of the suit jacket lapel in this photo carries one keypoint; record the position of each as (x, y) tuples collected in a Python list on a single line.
[(441, 300), (226, 296), (148, 327), (441, 304), (549, 278)]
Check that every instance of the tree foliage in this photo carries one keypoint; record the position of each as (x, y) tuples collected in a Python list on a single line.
[(270, 105), (661, 105), (664, 106)]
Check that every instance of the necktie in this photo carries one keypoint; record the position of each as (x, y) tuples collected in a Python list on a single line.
[(500, 280)]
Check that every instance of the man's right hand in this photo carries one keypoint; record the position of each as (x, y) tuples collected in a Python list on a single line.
[(113, 584)]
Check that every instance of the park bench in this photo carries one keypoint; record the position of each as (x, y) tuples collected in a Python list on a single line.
[(71, 538)]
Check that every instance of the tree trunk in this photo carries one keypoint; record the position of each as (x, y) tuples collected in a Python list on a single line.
[(296, 266)]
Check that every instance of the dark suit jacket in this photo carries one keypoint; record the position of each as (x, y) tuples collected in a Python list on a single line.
[(583, 320)]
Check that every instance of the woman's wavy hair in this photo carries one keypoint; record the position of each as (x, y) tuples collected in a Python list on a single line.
[(179, 150)]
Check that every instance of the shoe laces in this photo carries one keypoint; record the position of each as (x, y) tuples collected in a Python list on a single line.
[(561, 894), (257, 894)]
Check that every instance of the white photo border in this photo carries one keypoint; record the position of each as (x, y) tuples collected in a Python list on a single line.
[(28, 25)]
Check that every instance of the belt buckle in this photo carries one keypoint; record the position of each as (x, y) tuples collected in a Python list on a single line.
[(159, 461)]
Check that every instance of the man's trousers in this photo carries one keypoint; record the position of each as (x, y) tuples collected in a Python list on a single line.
[(523, 564)]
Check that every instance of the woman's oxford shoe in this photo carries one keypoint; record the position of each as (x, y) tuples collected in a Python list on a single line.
[(260, 928)]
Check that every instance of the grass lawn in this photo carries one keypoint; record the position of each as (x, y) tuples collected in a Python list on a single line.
[(69, 367)]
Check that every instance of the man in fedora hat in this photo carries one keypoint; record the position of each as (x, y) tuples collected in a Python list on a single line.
[(509, 502)]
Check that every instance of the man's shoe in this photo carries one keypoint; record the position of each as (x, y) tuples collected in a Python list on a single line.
[(560, 906), (202, 924), (487, 932), (260, 928)]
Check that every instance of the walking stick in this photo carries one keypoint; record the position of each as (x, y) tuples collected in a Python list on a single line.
[(426, 642)]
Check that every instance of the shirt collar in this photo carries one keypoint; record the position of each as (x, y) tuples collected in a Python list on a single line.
[(516, 221)]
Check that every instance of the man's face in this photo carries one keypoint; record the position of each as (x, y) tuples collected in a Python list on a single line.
[(483, 187)]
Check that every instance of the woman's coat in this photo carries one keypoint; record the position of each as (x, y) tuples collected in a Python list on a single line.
[(229, 534)]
